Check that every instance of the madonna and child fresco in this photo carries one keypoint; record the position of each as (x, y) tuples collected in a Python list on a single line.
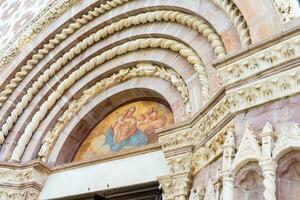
[(130, 126)]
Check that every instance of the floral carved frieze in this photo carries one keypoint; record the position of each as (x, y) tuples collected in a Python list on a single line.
[(258, 62), (265, 90), (208, 152), (180, 164), (176, 140), (14, 175), (25, 194), (192, 136), (209, 120)]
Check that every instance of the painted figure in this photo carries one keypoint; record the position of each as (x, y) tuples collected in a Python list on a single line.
[(124, 132)]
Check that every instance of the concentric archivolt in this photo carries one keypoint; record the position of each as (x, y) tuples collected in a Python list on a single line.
[(147, 70), (60, 6), (191, 21), (164, 15), (164, 43), (39, 23)]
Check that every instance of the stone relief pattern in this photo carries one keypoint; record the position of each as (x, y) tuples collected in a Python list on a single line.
[(192, 57), (208, 152), (266, 154), (285, 9), (258, 62), (164, 15), (199, 132), (141, 70), (15, 14), (130, 46), (22, 37), (237, 19), (210, 119), (25, 194), (21, 176), (278, 86)]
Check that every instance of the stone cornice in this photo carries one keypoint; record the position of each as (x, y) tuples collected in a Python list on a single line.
[(28, 175), (255, 48), (267, 56)]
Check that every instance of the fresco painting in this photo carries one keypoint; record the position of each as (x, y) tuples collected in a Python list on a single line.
[(130, 126)]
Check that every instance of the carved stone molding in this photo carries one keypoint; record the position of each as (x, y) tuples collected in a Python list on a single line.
[(180, 164), (17, 175), (166, 184), (22, 182), (51, 13), (249, 150), (285, 9), (208, 151), (210, 120), (140, 70), (176, 140), (14, 194), (260, 61), (265, 90), (288, 140)]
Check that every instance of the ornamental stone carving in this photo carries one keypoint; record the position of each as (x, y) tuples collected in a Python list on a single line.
[(197, 194), (51, 13), (141, 70), (267, 155), (21, 175), (265, 90), (210, 192), (130, 46), (288, 139), (258, 62), (22, 182), (208, 152), (25, 194), (210, 119), (249, 149), (285, 9)]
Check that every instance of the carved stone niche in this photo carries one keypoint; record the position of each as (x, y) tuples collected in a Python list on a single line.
[(288, 177), (248, 183), (22, 181)]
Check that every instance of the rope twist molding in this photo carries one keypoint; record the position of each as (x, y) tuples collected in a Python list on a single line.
[(237, 19), (164, 15), (188, 20), (36, 58), (141, 70), (173, 45), (52, 13), (182, 18), (42, 20)]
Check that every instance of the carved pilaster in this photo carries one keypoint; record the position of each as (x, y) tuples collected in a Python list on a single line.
[(228, 153), (268, 165), (182, 185), (165, 183)]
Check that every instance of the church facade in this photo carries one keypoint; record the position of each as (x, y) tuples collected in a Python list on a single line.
[(150, 99)]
